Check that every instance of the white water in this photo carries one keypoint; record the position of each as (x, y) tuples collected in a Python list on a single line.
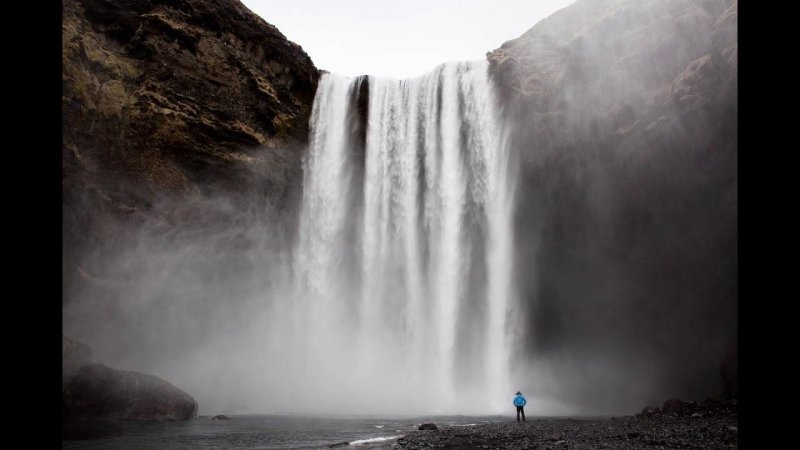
[(403, 262)]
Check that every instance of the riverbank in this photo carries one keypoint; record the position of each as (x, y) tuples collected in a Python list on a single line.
[(676, 425)]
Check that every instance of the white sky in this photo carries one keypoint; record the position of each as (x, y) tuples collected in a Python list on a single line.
[(400, 38)]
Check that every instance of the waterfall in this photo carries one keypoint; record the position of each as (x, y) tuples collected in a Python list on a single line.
[(401, 269)]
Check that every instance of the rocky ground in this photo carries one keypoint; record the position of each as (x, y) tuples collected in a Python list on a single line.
[(711, 424)]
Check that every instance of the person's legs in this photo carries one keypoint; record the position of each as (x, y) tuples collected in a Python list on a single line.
[(518, 410), (522, 410)]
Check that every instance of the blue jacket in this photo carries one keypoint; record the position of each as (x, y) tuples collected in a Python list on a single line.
[(519, 400)]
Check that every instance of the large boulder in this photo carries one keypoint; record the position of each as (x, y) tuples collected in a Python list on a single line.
[(98, 392)]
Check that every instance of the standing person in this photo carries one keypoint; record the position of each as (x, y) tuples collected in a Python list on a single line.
[(519, 402)]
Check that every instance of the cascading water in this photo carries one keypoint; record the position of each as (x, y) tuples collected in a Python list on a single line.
[(402, 264)]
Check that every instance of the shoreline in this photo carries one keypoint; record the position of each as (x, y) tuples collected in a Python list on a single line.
[(712, 424)]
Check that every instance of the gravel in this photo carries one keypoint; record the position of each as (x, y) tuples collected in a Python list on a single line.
[(712, 424)]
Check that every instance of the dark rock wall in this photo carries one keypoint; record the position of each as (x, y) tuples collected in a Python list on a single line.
[(624, 117), (167, 103)]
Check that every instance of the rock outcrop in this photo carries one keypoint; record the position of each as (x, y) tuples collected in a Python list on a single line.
[(624, 119), (169, 93), (98, 392), (93, 392), (178, 99), (620, 50)]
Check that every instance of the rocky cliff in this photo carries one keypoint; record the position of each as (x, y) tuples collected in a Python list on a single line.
[(177, 100), (624, 117)]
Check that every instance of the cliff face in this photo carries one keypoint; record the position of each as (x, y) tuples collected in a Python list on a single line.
[(624, 117), (178, 100), (181, 118)]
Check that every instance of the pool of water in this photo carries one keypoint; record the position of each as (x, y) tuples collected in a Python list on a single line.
[(255, 431)]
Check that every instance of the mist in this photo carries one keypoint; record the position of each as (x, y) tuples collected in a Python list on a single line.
[(185, 293), (560, 221)]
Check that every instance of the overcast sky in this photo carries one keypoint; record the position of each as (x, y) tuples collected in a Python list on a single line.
[(400, 38)]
